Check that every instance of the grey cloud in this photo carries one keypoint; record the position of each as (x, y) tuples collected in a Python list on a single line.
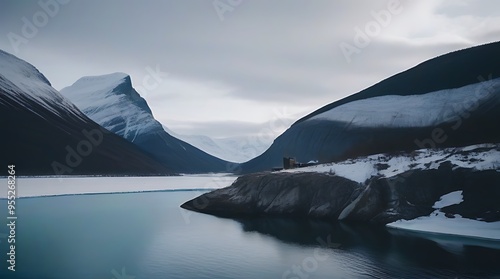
[(452, 8), (224, 129), (269, 51)]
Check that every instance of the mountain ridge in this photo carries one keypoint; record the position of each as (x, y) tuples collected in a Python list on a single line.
[(457, 76), (468, 120), (48, 135), (111, 101)]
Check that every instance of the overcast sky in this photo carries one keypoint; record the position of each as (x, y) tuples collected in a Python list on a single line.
[(228, 67)]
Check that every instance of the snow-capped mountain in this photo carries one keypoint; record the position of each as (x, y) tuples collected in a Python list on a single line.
[(46, 134), (394, 111), (111, 101), (27, 85), (233, 149), (451, 100)]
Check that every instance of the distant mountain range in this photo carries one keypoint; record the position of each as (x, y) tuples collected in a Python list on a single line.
[(451, 100), (234, 149)]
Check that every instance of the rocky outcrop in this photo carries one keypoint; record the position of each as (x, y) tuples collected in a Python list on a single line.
[(412, 194), (285, 194), (380, 200)]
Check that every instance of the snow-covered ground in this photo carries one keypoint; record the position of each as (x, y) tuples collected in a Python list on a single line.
[(437, 222), (423, 110), (363, 168), (53, 186), (478, 157)]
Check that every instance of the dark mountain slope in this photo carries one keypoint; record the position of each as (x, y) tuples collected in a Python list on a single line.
[(465, 84), (111, 101), (44, 134), (452, 70)]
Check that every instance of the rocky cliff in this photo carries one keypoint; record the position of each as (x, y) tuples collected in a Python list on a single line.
[(381, 199)]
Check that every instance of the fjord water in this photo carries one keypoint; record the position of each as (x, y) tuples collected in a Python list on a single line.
[(147, 236)]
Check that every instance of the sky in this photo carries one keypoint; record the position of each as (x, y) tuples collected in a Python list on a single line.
[(226, 68)]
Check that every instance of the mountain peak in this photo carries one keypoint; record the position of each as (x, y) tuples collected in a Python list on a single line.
[(111, 100), (16, 69), (103, 82), (44, 126), (27, 85), (107, 77)]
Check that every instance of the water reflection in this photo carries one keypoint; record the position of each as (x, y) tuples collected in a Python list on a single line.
[(403, 252)]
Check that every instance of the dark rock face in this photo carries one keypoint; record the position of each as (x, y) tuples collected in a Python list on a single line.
[(412, 194), (179, 156), (329, 141), (284, 194), (383, 200)]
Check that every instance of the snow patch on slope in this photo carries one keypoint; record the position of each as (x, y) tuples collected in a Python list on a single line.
[(27, 83), (423, 110), (478, 157), (449, 199), (437, 222)]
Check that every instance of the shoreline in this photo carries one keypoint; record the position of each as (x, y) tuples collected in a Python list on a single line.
[(30, 187), (114, 193)]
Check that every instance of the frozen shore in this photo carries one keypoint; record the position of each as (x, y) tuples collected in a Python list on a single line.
[(55, 186)]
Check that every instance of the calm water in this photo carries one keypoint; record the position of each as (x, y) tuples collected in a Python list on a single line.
[(147, 236)]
